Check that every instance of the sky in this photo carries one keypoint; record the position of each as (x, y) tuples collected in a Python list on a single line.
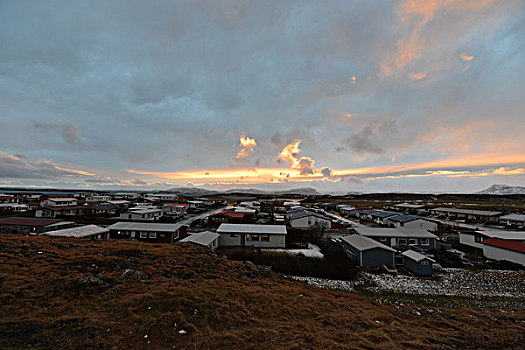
[(340, 96)]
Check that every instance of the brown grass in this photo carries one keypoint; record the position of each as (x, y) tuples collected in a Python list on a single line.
[(221, 304)]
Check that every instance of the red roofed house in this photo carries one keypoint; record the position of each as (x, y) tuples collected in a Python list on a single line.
[(504, 249)]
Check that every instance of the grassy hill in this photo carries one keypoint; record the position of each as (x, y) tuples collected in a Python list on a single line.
[(66, 293)]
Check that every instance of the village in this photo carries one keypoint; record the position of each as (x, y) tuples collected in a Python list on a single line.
[(417, 239)]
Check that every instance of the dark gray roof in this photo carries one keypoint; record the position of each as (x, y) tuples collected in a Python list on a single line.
[(305, 213), (382, 214), (362, 243), (404, 218), (467, 211), (145, 226), (393, 232), (417, 257)]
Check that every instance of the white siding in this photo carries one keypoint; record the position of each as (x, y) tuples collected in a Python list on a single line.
[(496, 253)]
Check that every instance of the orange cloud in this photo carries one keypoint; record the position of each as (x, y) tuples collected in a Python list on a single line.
[(80, 172), (290, 154), (418, 76), (410, 48), (247, 145)]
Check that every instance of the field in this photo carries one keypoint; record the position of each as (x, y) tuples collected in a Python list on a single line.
[(67, 294)]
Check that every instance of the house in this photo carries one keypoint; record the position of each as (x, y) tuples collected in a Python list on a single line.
[(504, 250), (25, 225), (417, 263), (146, 214), (409, 208), (58, 202), (206, 239), (401, 239), (147, 232), (475, 239), (513, 220), (467, 214), (306, 219), (11, 199), (97, 199), (230, 216), (126, 195), (380, 217), (174, 209), (88, 231), (410, 221), (367, 252), (260, 236), (14, 207)]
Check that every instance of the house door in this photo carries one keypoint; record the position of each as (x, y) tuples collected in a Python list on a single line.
[(243, 240)]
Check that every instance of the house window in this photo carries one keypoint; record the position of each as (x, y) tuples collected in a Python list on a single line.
[(382, 239), (412, 241), (132, 234), (233, 235), (162, 235), (478, 239), (143, 235), (255, 238), (265, 238), (424, 262), (402, 241), (153, 235), (425, 241)]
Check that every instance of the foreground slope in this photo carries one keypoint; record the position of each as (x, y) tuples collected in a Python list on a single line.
[(66, 293)]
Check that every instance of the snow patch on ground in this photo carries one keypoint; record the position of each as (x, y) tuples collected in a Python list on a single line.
[(313, 251), (455, 282)]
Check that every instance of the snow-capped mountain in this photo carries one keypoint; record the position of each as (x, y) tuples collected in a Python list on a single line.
[(503, 190)]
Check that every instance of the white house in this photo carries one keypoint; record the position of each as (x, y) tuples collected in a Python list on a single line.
[(504, 249), (98, 199), (58, 202), (411, 222), (306, 219), (475, 238), (142, 214), (206, 239), (513, 220), (260, 236)]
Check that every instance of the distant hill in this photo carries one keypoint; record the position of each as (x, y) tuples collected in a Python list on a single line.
[(503, 190), (195, 191)]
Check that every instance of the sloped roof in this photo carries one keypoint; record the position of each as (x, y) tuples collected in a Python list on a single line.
[(305, 213), (514, 217), (145, 226), (506, 244), (404, 218), (417, 257), (201, 238), (383, 214), (467, 211), (28, 221), (253, 228), (503, 234), (362, 243), (393, 232), (78, 232)]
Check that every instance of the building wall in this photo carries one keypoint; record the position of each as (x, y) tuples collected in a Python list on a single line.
[(423, 224), (315, 222), (161, 237), (275, 241), (377, 257), (395, 242), (468, 239), (418, 268), (496, 253), (371, 258)]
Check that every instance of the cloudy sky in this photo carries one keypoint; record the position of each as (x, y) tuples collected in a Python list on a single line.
[(416, 95)]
